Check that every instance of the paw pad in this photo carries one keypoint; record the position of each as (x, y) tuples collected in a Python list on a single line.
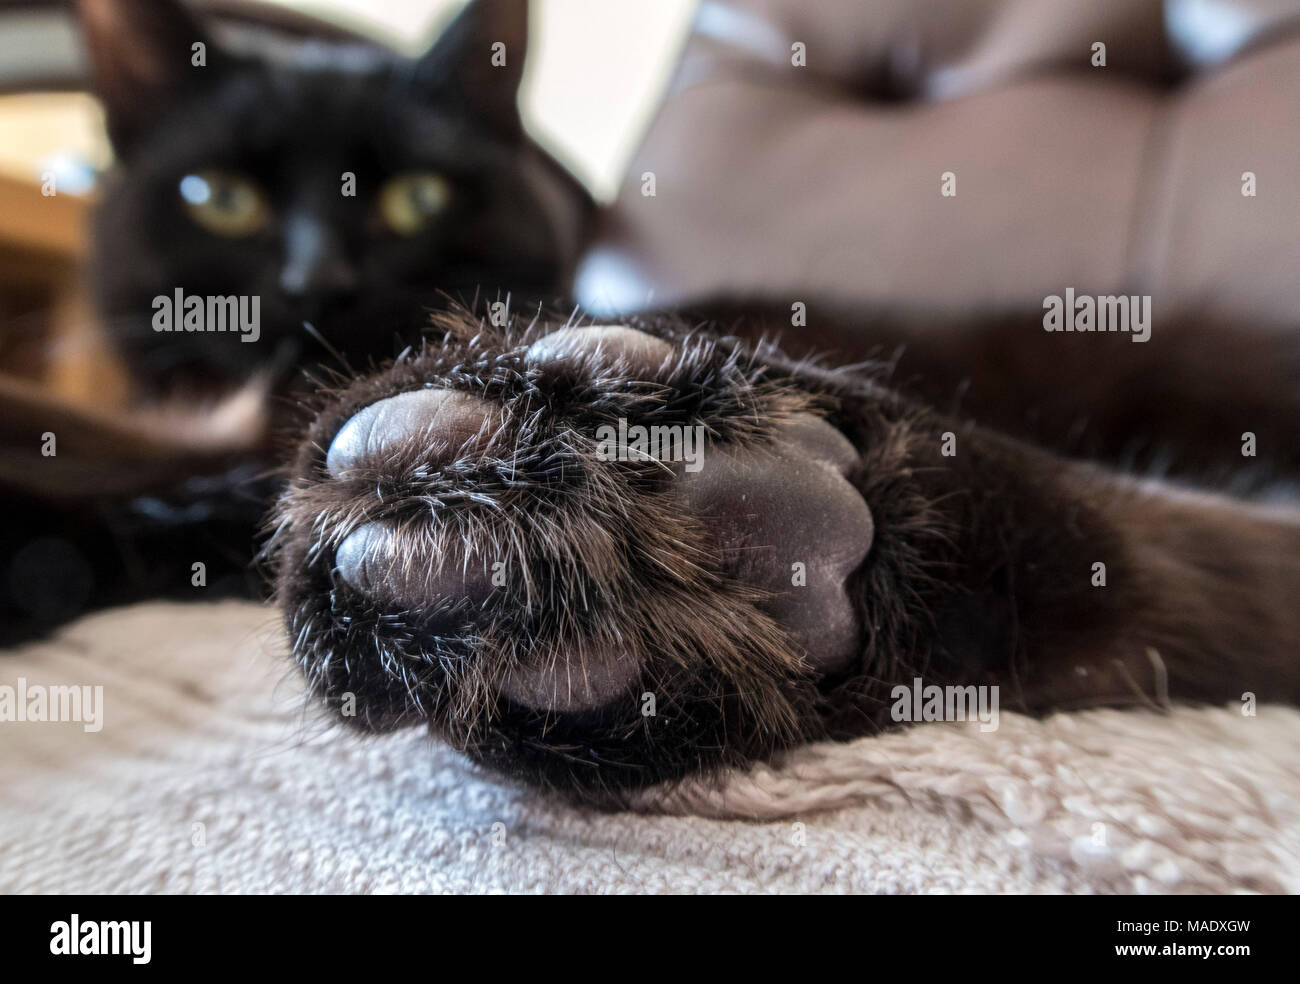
[(770, 521)]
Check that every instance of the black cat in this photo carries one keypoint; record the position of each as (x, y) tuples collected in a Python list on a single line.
[(457, 546), (339, 186)]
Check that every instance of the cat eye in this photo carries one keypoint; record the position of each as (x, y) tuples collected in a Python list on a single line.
[(224, 203), (409, 202)]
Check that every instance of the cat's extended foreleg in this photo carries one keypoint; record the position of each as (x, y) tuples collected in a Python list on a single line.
[(603, 557)]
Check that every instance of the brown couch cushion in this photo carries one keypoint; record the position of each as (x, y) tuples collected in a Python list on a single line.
[(783, 181)]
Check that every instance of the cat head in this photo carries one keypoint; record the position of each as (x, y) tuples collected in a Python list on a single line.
[(341, 185)]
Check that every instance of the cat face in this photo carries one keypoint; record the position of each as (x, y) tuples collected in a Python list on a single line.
[(343, 187)]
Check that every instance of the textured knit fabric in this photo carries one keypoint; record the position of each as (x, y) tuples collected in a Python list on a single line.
[(208, 776)]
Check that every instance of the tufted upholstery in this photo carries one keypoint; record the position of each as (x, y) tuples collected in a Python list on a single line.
[(784, 181)]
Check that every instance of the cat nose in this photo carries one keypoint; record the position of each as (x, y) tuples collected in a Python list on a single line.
[(315, 260)]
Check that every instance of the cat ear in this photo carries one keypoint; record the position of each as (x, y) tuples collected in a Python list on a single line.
[(144, 54), (479, 60)]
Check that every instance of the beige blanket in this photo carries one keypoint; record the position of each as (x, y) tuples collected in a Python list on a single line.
[(207, 776)]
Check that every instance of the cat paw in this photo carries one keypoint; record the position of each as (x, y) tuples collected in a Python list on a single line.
[(595, 556)]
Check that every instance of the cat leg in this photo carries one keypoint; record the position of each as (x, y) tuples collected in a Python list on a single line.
[(483, 538)]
